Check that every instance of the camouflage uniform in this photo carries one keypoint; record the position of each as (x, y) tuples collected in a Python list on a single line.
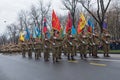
[(60, 48), (79, 44), (30, 48), (96, 42), (75, 45), (64, 47), (56, 46), (90, 45), (23, 49), (106, 43), (70, 48), (84, 46), (55, 51), (38, 48), (46, 50)]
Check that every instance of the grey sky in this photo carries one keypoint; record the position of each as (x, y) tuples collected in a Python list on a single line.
[(10, 8)]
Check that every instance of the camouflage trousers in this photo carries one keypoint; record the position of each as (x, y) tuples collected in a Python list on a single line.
[(90, 49), (37, 53), (70, 53), (46, 54), (59, 52), (55, 52), (106, 48), (30, 53), (95, 50), (83, 51), (23, 53)]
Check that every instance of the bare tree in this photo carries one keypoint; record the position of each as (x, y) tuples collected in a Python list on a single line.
[(44, 11), (102, 6), (23, 19), (113, 20), (13, 32), (3, 39), (71, 5), (34, 14)]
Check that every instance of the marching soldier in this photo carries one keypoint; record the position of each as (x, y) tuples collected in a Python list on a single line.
[(38, 48), (30, 47), (46, 44), (23, 48), (59, 41), (84, 45), (69, 43), (80, 44), (96, 42), (64, 47), (106, 43), (75, 45), (56, 54), (90, 45)]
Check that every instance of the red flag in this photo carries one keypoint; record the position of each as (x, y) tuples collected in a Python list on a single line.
[(89, 29), (45, 26), (69, 23), (55, 22)]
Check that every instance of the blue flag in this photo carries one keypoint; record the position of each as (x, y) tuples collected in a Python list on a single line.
[(73, 32), (48, 35), (27, 35), (36, 32)]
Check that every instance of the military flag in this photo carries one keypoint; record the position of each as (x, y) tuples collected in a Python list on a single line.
[(36, 32), (91, 25), (81, 24), (69, 23), (73, 32), (27, 35), (55, 22), (21, 38), (105, 25), (45, 26)]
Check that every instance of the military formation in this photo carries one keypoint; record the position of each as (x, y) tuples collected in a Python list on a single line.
[(69, 45)]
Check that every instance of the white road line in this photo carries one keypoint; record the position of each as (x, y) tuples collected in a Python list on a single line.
[(98, 64), (113, 60)]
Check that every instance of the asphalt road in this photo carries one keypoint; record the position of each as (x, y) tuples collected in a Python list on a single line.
[(16, 68)]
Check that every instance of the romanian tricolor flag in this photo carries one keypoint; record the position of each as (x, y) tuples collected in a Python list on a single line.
[(55, 22), (69, 23), (45, 26), (90, 25), (81, 24)]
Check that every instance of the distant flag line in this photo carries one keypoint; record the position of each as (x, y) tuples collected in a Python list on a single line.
[(57, 26)]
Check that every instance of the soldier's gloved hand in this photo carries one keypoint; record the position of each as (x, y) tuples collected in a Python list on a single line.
[(53, 43)]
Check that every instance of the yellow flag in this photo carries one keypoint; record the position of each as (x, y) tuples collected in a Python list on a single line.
[(81, 24), (21, 36)]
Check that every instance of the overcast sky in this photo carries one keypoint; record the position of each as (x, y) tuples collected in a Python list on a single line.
[(9, 10)]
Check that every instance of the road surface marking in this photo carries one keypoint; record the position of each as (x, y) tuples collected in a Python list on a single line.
[(71, 61), (97, 64), (113, 60)]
